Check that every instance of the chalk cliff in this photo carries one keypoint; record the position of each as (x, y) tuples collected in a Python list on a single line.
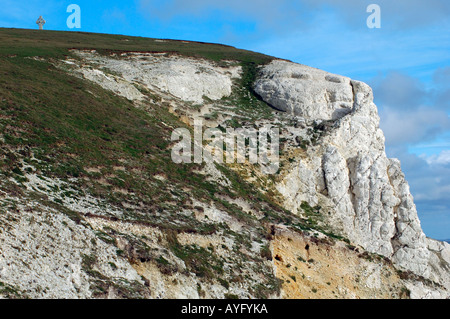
[(347, 171)]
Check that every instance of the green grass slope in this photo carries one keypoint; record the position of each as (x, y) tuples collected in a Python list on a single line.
[(25, 43)]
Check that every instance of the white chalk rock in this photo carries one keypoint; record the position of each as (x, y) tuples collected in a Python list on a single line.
[(365, 192), (305, 91)]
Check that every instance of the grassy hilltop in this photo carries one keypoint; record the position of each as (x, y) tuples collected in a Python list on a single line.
[(26, 43)]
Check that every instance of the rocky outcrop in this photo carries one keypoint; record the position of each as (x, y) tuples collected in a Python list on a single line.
[(347, 171), (289, 89), (44, 253), (185, 78), (409, 242), (439, 261)]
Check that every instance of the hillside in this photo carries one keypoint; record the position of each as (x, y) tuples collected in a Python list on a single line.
[(93, 206)]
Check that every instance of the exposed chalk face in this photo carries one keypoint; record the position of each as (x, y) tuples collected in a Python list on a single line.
[(349, 172), (117, 85), (185, 78), (305, 91)]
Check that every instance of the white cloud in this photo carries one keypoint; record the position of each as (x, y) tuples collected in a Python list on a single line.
[(411, 113), (399, 91), (413, 126), (442, 158)]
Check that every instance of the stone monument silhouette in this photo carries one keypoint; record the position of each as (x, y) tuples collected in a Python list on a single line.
[(40, 22)]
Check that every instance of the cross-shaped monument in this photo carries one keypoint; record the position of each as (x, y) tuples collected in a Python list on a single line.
[(40, 22)]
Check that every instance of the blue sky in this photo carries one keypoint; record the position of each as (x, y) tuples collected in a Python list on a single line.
[(406, 61)]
